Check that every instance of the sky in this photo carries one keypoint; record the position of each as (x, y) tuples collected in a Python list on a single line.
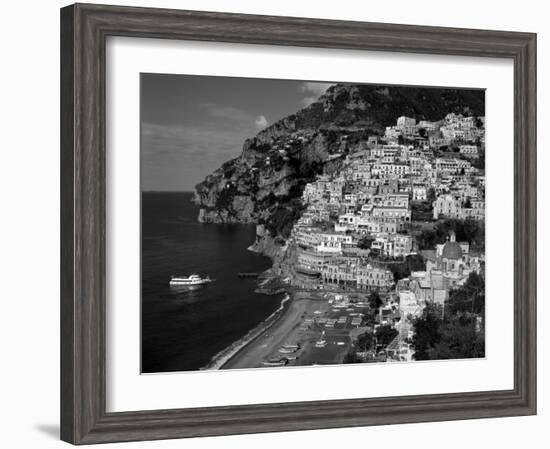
[(191, 125)]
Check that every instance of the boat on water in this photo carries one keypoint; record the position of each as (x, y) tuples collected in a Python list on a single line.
[(193, 280), (248, 275)]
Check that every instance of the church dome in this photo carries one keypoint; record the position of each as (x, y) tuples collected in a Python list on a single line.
[(452, 250)]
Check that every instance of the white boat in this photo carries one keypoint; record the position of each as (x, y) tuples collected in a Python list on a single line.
[(284, 350), (321, 343), (276, 362), (190, 281)]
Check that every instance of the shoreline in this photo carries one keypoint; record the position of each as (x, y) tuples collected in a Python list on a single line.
[(287, 325), (291, 329), (219, 360), (225, 355)]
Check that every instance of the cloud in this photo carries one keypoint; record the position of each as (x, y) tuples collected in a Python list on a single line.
[(313, 91), (306, 101), (315, 88), (226, 112), (234, 114), (260, 122), (165, 140), (177, 157)]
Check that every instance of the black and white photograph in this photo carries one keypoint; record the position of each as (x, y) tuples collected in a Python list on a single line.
[(291, 223)]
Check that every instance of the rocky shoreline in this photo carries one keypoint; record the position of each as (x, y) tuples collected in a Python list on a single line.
[(270, 283)]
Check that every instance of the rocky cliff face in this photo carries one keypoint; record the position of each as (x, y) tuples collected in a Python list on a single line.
[(263, 185)]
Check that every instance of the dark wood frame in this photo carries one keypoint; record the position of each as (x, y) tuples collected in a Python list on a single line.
[(84, 29)]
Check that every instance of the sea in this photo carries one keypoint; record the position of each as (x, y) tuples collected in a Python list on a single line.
[(183, 329)]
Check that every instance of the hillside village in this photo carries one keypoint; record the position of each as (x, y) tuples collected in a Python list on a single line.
[(370, 203), (400, 223)]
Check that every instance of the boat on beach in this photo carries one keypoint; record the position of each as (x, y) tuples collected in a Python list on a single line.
[(276, 362), (284, 350), (193, 280), (322, 342)]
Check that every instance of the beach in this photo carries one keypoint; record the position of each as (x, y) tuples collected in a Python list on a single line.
[(297, 326)]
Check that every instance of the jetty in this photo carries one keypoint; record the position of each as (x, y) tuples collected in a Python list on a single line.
[(248, 275)]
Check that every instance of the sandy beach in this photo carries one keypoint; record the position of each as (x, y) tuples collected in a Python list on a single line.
[(294, 327)]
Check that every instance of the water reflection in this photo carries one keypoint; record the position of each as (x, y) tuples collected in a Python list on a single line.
[(189, 293)]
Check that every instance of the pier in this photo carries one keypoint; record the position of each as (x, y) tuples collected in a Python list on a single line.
[(248, 275)]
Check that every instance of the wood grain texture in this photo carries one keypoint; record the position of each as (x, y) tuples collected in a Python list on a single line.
[(84, 29), (67, 227)]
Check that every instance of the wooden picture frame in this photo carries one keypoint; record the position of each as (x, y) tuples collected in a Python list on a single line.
[(84, 29)]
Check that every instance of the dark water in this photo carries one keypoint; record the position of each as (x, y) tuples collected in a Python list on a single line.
[(181, 329)]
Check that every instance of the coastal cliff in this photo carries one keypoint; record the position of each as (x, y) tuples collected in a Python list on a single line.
[(264, 184)]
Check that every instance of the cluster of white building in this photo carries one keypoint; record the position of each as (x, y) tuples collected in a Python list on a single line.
[(460, 187), (458, 127), (452, 206), (369, 200), (453, 128), (358, 219)]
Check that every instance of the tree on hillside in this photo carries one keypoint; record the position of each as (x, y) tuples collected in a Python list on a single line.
[(430, 195), (427, 331), (283, 217), (352, 357), (365, 242), (413, 262), (364, 341), (472, 231), (454, 331), (385, 334), (469, 298), (374, 300), (459, 340)]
